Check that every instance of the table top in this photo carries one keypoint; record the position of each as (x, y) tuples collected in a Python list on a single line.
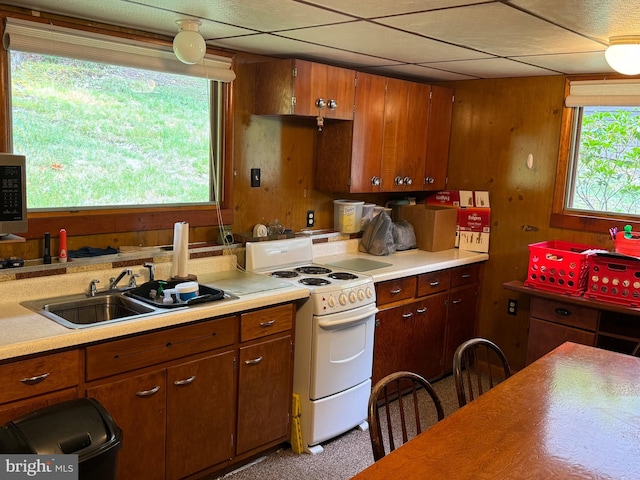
[(574, 413)]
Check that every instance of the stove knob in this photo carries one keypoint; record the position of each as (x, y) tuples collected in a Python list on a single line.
[(360, 295), (352, 297), (331, 302), (342, 299), (368, 292)]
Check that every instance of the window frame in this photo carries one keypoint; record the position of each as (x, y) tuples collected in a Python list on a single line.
[(562, 217), (119, 220)]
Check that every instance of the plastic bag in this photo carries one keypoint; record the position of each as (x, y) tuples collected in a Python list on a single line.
[(377, 238), (404, 236)]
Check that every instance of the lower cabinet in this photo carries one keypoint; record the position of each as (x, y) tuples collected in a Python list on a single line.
[(423, 319)]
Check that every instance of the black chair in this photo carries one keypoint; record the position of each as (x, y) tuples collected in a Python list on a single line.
[(636, 351), (478, 366), (397, 412)]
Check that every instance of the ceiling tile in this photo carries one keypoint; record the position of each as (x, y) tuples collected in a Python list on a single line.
[(494, 68), (493, 28), (372, 9), (371, 39), (571, 63), (419, 72)]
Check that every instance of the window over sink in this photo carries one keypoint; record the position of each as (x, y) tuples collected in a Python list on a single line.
[(114, 125)]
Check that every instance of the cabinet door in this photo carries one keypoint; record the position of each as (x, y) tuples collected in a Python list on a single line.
[(200, 414), (264, 393), (429, 335), (438, 136), (544, 336), (461, 320), (339, 87), (392, 341), (138, 406)]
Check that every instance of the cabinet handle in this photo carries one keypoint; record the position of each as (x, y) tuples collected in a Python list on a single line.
[(375, 181), (396, 291), (267, 324), (456, 302), (398, 180), (563, 311), (421, 310), (148, 393), (35, 380), (466, 275), (332, 104), (408, 181), (186, 381), (434, 284), (321, 103), (253, 361), (407, 315), (429, 180)]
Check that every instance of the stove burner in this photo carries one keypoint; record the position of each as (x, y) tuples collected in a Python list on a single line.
[(284, 274), (316, 282), (313, 270), (343, 276)]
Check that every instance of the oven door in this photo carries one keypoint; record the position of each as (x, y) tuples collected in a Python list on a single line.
[(342, 350)]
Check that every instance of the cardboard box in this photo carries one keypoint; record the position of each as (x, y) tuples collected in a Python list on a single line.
[(434, 225), (474, 227), (452, 198)]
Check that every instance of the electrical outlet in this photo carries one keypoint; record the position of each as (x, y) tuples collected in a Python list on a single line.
[(311, 218), (512, 307)]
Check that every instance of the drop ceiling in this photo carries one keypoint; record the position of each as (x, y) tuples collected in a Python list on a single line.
[(430, 40)]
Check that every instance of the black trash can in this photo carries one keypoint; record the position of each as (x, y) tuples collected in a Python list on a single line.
[(82, 427)]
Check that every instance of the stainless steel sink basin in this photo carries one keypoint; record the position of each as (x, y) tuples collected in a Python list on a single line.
[(81, 311)]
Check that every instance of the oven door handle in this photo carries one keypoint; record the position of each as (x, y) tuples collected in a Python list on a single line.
[(351, 320)]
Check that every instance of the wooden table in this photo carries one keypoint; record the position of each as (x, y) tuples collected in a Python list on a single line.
[(574, 413)]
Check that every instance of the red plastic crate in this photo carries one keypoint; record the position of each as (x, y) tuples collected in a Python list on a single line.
[(558, 266), (614, 278)]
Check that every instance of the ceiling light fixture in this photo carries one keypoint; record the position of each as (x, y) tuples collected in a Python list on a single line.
[(623, 54), (188, 44)]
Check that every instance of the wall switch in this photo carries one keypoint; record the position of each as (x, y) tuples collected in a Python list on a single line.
[(311, 218), (255, 177), (512, 307)]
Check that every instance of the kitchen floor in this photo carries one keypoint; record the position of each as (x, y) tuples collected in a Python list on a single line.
[(343, 457)]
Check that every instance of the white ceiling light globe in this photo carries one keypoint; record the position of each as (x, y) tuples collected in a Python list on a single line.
[(623, 54), (188, 44)]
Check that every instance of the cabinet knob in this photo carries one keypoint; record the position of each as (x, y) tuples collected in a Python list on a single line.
[(408, 181), (375, 181), (399, 180), (429, 180), (563, 312), (321, 103), (333, 104)]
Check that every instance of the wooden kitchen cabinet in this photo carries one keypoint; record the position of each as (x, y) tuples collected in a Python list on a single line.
[(297, 87), (396, 140), (265, 378), (422, 318)]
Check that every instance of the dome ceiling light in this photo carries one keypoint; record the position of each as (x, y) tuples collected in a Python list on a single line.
[(623, 54), (188, 44)]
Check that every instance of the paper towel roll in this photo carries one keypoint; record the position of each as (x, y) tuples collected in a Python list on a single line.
[(179, 267)]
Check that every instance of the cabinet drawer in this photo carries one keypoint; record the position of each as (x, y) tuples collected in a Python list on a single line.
[(564, 313), (152, 348), (26, 378), (395, 290), (433, 282), (465, 275), (545, 336), (267, 321)]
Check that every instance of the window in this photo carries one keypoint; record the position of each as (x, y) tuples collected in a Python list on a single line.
[(598, 182), (108, 124)]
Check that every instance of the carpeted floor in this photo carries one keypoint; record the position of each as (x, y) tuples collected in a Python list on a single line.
[(343, 457)]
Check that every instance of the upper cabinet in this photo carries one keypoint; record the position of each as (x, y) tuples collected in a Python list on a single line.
[(299, 87), (398, 140)]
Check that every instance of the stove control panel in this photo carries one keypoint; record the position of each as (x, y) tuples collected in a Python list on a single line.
[(342, 299)]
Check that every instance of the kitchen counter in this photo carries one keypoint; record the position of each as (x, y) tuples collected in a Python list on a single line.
[(25, 332), (396, 265)]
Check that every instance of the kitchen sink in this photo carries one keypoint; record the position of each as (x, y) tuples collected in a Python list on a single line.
[(81, 311)]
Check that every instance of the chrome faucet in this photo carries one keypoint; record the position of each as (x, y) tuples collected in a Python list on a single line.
[(93, 287), (113, 282), (152, 271)]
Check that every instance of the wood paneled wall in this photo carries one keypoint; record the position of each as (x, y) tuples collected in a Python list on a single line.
[(496, 125)]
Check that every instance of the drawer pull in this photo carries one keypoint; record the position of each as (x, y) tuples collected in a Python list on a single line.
[(434, 284), (186, 381), (253, 361), (267, 324), (563, 312), (396, 291), (456, 302), (148, 393), (35, 380), (421, 310), (465, 275), (407, 315)]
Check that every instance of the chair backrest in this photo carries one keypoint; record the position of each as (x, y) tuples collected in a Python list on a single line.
[(401, 405), (636, 351), (478, 366)]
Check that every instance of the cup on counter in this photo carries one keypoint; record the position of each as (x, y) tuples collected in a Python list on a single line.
[(187, 290)]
